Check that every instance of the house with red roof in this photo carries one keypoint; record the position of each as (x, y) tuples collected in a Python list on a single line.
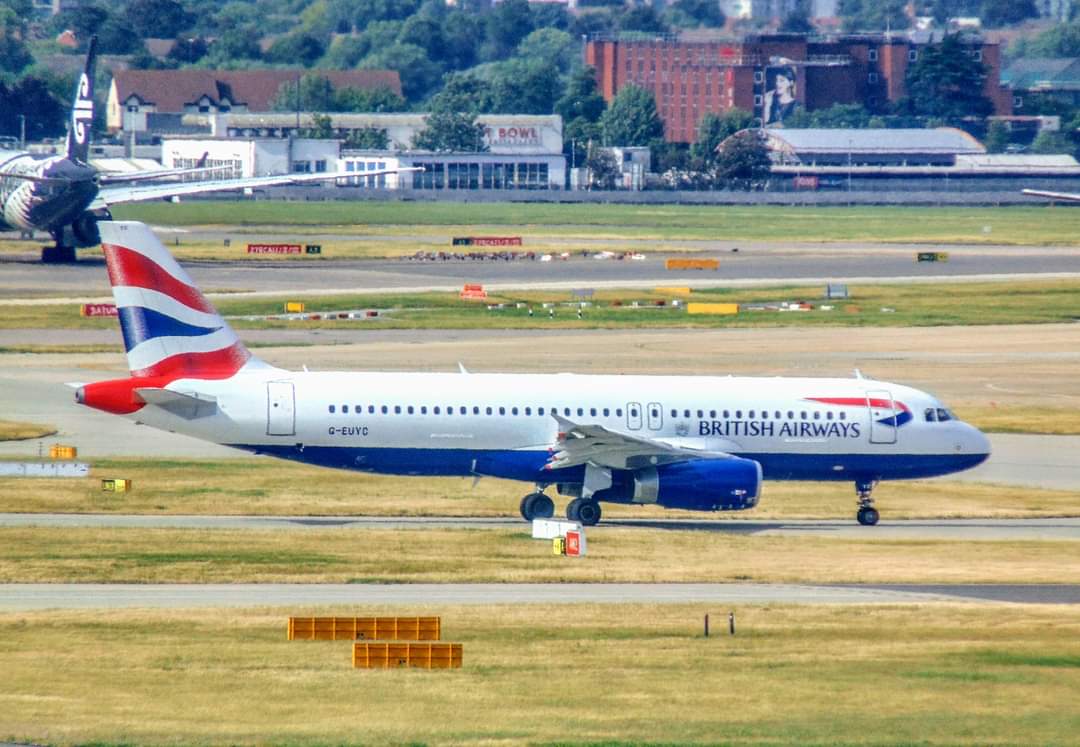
[(136, 95)]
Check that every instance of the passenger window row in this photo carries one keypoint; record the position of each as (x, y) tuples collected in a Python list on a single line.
[(579, 412)]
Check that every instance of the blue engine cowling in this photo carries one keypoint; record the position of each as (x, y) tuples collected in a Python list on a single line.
[(709, 484)]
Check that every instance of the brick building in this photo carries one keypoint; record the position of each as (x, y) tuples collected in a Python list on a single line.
[(771, 75)]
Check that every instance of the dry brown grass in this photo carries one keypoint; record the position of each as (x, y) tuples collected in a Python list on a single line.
[(955, 674), (439, 555), (13, 430), (265, 486)]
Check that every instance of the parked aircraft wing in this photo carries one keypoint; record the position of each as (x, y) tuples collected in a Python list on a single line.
[(114, 195), (595, 444), (1053, 195)]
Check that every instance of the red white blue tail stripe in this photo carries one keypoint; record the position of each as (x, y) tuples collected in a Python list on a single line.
[(170, 329)]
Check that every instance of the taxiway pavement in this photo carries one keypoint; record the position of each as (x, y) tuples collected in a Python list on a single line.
[(27, 597)]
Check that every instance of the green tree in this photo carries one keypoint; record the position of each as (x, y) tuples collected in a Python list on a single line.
[(116, 37), (350, 99), (997, 137), (368, 138), (463, 92), (425, 32), (189, 50), (507, 24), (1051, 143), (947, 83), (581, 98), (1061, 40), (366, 12), (999, 13), (694, 13), (295, 48), (744, 161), (418, 73), (603, 171), (556, 49), (31, 98), (632, 118), (873, 15), (237, 44), (158, 19), (797, 21), (316, 95), (321, 128), (715, 129), (642, 18), (524, 87), (456, 132), (14, 55), (463, 36)]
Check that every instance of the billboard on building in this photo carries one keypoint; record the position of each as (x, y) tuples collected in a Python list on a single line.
[(780, 100)]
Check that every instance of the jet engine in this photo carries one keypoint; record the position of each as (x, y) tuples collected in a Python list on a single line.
[(699, 485), (85, 228)]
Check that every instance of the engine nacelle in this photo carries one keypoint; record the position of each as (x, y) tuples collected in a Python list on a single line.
[(710, 484), (85, 228), (700, 485)]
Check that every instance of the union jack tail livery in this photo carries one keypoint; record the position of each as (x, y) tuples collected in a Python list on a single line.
[(170, 330)]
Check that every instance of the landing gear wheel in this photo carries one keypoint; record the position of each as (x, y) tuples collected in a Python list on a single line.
[(537, 506), (584, 510), (867, 515)]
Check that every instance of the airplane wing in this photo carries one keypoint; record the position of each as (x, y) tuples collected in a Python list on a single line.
[(595, 444), (114, 195), (1052, 195)]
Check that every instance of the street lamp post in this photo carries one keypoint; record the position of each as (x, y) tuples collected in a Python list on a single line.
[(22, 132)]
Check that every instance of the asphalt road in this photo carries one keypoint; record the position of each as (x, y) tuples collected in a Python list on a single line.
[(758, 264), (26, 597), (961, 530)]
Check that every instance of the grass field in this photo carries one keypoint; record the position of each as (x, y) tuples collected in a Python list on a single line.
[(438, 555), (553, 674), (274, 487), (1011, 225), (13, 430), (937, 304)]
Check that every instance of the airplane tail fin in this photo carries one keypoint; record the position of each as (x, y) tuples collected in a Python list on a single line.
[(82, 110), (170, 329)]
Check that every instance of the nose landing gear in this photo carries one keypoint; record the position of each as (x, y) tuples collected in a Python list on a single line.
[(867, 515)]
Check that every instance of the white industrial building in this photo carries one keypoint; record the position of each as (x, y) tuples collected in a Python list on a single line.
[(524, 152)]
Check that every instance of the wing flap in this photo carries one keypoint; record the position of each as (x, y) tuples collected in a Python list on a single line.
[(594, 444)]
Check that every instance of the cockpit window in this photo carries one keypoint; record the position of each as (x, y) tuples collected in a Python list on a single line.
[(943, 415), (931, 415)]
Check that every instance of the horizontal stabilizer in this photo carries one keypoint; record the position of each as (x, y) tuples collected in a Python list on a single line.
[(187, 406)]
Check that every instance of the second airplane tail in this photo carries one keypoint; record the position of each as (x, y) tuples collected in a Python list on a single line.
[(170, 330)]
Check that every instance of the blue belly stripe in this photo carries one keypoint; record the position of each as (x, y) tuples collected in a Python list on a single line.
[(527, 466)]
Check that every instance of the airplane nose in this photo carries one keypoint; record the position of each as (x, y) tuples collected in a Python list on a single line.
[(975, 443)]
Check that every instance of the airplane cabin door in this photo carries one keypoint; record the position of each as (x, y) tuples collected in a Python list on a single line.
[(633, 416), (882, 417), (656, 416), (280, 408)]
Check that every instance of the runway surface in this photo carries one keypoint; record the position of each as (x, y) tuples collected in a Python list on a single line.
[(961, 530), (27, 597), (753, 264)]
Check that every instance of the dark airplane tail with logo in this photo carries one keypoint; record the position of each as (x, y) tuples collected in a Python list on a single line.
[(82, 111)]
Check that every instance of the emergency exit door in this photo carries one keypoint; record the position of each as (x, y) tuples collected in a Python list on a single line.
[(883, 423), (280, 408)]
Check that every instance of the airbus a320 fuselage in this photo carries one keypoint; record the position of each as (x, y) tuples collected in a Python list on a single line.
[(688, 442)]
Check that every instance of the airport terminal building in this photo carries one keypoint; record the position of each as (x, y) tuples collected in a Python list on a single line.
[(523, 152)]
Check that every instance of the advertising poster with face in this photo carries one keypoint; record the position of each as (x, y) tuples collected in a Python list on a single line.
[(780, 100)]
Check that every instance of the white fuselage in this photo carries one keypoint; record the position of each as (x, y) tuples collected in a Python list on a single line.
[(503, 424)]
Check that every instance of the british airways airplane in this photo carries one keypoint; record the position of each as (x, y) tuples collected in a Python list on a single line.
[(689, 442), (67, 197)]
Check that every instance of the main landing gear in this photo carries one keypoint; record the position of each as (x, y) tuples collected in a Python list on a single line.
[(538, 506), (867, 515)]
